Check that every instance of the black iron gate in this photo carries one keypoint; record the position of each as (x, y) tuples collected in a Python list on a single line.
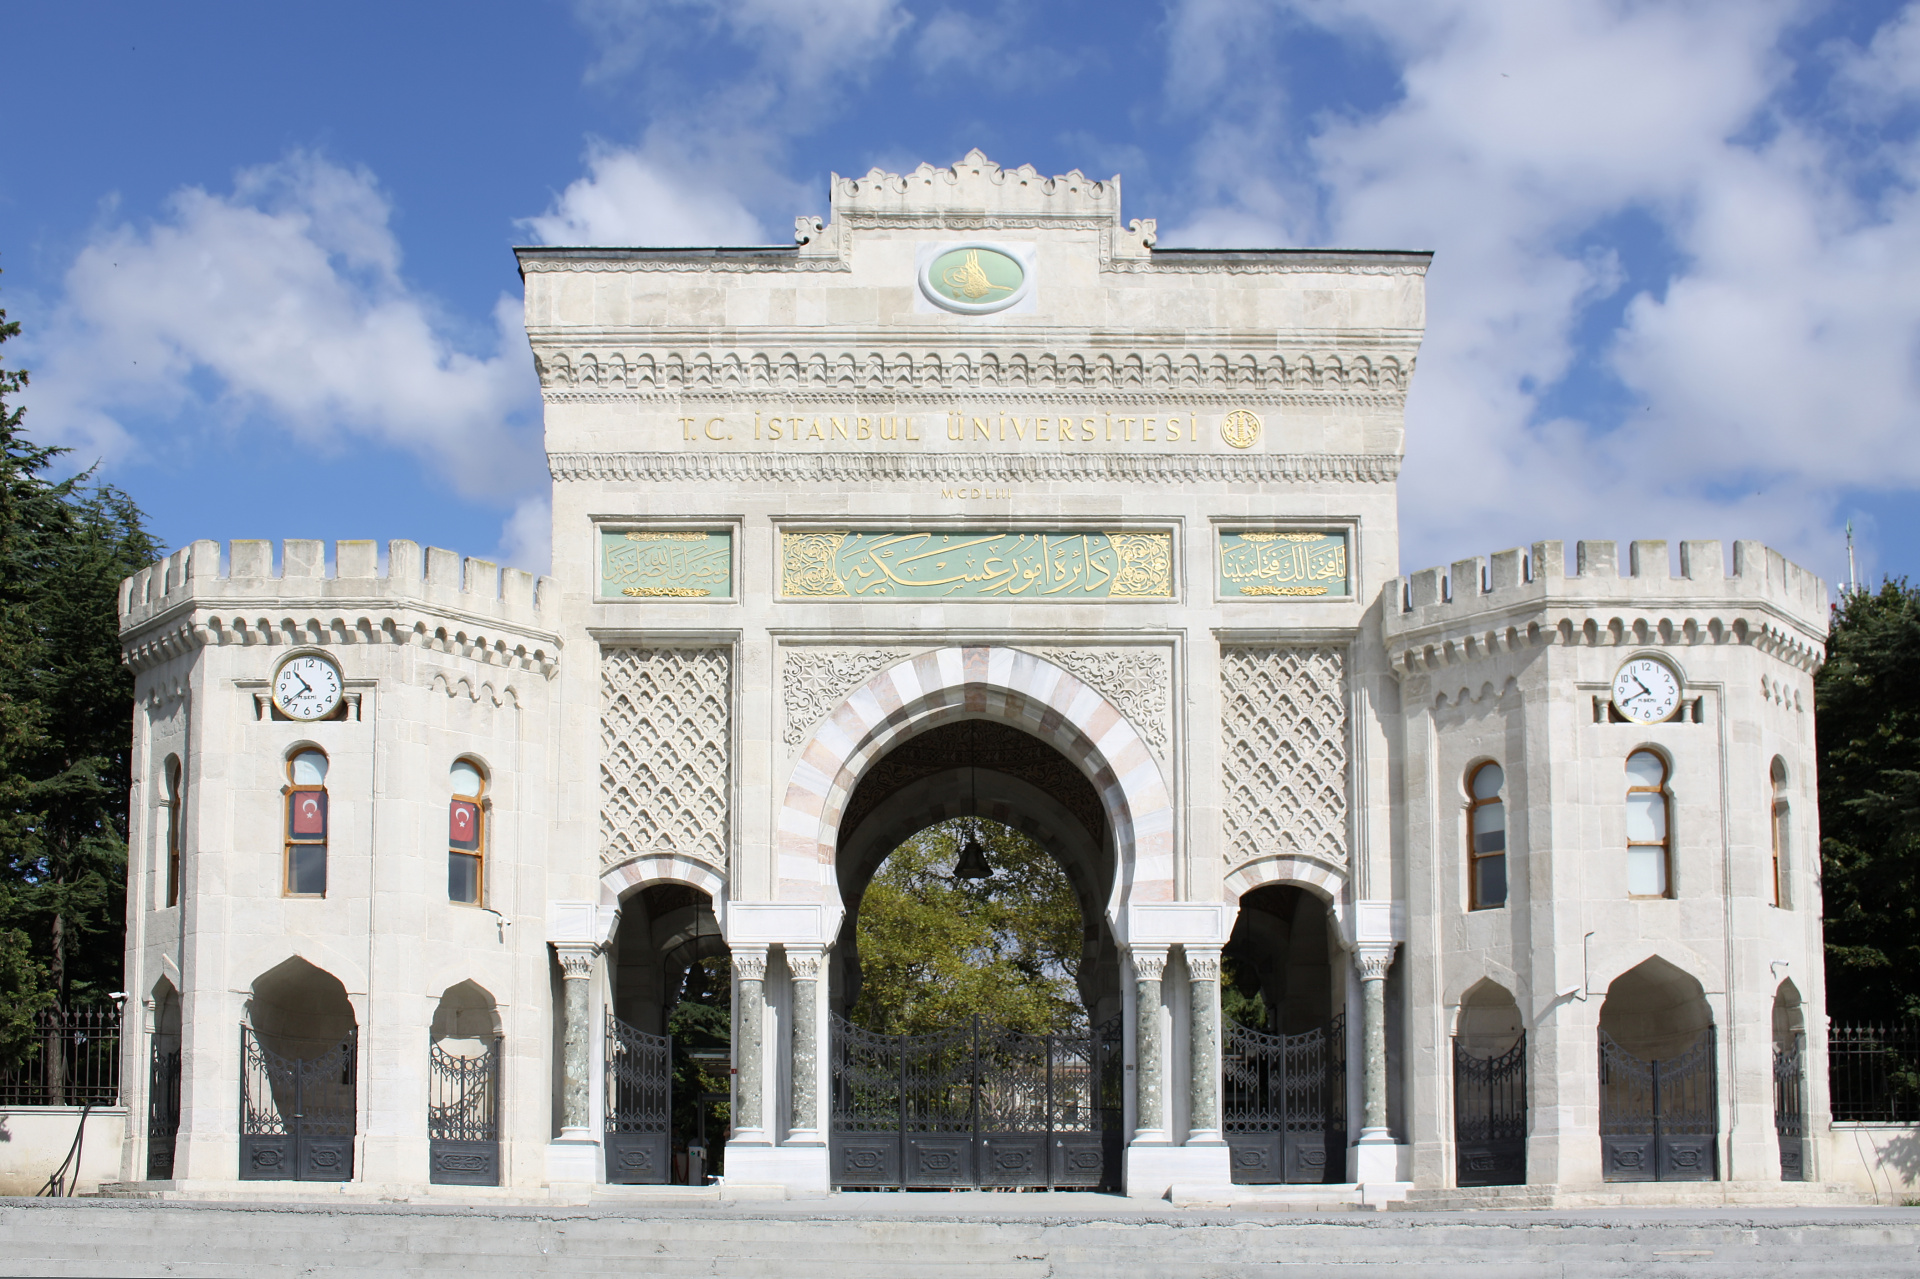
[(296, 1113), (463, 1117), (1490, 1117), (1283, 1103), (163, 1106), (1659, 1120), (1790, 1107), (978, 1105), (639, 1106)]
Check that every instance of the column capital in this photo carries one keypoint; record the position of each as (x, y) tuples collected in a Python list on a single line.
[(1149, 962), (750, 963), (1203, 962), (803, 962), (576, 958), (1373, 959)]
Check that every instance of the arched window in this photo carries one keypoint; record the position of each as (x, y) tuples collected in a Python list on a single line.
[(174, 817), (1487, 833), (1777, 775), (1649, 860), (307, 824), (466, 833)]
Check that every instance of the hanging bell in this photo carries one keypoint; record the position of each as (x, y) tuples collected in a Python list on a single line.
[(973, 859)]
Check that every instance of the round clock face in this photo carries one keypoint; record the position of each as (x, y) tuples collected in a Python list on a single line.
[(1646, 690), (306, 687)]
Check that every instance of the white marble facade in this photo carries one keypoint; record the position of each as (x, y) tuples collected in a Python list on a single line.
[(1157, 409)]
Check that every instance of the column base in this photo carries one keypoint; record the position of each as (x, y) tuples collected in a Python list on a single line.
[(800, 1171), (1155, 1171), (1380, 1164), (574, 1157)]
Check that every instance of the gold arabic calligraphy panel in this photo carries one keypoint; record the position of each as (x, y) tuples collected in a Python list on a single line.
[(972, 565), (676, 565), (1254, 565)]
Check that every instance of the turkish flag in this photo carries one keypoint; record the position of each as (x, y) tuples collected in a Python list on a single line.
[(307, 814), (463, 824)]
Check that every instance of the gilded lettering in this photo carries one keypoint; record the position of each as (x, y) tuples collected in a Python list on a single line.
[(956, 427), (1146, 429), (1086, 429), (863, 429), (980, 429), (909, 431), (1173, 430), (1126, 428), (816, 433), (839, 425), (686, 427), (718, 421), (773, 428), (1040, 428), (889, 425)]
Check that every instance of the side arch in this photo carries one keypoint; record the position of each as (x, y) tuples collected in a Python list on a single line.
[(1004, 684), (1323, 881), (618, 882)]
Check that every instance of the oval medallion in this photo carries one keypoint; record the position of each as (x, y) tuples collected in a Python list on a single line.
[(974, 279)]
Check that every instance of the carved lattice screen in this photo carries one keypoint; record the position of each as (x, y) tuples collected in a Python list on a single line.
[(666, 735), (1285, 751)]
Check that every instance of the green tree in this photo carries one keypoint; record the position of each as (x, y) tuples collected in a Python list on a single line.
[(1867, 709), (935, 950), (701, 1024), (66, 707)]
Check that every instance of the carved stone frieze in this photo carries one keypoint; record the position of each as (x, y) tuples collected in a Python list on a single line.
[(978, 468), (814, 680), (1284, 752), (1137, 681), (666, 753)]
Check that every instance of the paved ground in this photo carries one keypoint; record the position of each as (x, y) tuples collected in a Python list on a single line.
[(934, 1236)]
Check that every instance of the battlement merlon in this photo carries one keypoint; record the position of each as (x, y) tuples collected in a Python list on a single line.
[(1522, 597), (474, 603)]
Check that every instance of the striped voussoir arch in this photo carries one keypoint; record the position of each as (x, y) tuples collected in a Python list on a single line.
[(1002, 684), (638, 872)]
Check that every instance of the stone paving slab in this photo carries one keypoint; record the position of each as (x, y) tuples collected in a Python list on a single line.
[(1070, 1237)]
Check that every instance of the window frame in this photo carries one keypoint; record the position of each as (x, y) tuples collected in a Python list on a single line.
[(288, 842), (481, 811), (173, 776), (1474, 855), (1664, 844), (1779, 812)]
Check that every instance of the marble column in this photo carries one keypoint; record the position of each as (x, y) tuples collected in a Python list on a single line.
[(1374, 958), (803, 964), (1203, 1077), (749, 1013), (576, 1100), (1149, 1111)]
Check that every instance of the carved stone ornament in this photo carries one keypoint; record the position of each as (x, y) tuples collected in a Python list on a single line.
[(1373, 960), (814, 681), (666, 753), (1149, 965), (576, 959), (976, 468), (1203, 965), (750, 965), (1284, 753), (1135, 680), (803, 965)]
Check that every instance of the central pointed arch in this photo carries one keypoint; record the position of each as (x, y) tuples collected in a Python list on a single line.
[(1004, 684)]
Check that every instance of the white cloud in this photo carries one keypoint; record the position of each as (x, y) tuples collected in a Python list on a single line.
[(281, 306), (806, 45), (630, 198), (1771, 371), (526, 540)]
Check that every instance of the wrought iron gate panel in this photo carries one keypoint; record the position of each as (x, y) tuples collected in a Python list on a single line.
[(297, 1114), (163, 1106), (463, 1117), (1490, 1117), (1659, 1120), (976, 1105), (1284, 1104), (639, 1136), (1790, 1107)]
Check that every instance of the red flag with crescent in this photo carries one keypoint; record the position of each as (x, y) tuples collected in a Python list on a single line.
[(463, 824), (307, 815)]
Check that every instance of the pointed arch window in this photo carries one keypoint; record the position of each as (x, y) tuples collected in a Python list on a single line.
[(1649, 842), (1487, 837), (306, 829), (1777, 778), (174, 819)]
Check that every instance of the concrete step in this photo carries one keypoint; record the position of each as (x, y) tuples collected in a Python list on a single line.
[(933, 1237), (1643, 1194)]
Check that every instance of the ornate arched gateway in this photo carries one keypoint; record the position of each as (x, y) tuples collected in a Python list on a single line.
[(974, 468)]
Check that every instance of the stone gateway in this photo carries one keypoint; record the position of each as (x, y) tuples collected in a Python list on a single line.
[(973, 501)]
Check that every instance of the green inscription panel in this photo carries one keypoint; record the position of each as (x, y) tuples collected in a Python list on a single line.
[(649, 565), (1283, 565), (1042, 566)]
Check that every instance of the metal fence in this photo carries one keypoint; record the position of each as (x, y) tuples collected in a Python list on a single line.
[(1873, 1072), (72, 1060)]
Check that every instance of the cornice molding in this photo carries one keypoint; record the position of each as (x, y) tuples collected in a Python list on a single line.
[(1130, 468), (1678, 624), (266, 624)]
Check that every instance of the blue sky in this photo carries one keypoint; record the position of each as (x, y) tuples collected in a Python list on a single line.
[(262, 251)]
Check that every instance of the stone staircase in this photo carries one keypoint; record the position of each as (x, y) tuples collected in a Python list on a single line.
[(1016, 1236), (1644, 1194)]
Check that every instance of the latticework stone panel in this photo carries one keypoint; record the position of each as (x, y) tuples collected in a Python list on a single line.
[(666, 767), (1285, 751)]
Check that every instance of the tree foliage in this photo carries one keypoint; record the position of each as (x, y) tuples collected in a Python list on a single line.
[(935, 950), (66, 709), (1867, 706), (701, 1024)]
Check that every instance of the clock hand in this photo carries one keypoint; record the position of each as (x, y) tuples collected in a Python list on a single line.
[(303, 683)]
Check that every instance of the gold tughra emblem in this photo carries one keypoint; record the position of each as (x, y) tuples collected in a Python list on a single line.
[(969, 279), (1240, 428)]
